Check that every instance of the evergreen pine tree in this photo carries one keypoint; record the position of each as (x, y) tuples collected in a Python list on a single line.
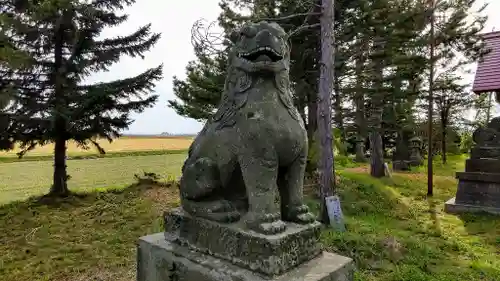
[(458, 44), (199, 94), (61, 38)]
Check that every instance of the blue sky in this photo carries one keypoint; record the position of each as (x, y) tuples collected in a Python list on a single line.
[(174, 20)]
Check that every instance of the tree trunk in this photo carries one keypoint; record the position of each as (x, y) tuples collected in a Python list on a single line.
[(326, 166), (430, 173), (59, 186), (377, 153), (312, 111), (444, 125), (488, 111), (359, 99), (301, 105), (337, 108), (377, 106)]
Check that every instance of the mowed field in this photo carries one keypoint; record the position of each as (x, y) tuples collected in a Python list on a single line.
[(23, 179), (118, 145)]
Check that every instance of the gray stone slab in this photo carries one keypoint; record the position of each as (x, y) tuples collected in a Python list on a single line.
[(451, 206), (268, 254), (485, 152), (478, 192), (478, 176), (482, 165), (162, 260)]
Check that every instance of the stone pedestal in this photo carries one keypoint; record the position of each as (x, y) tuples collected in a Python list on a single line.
[(415, 152), (192, 249), (478, 187), (360, 150), (400, 165)]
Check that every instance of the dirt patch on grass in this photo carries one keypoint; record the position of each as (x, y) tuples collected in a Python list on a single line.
[(361, 169), (411, 175), (394, 249), (164, 198)]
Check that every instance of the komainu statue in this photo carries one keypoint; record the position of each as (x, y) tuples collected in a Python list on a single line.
[(255, 146)]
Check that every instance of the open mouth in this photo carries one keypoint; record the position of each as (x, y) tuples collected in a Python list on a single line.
[(262, 54)]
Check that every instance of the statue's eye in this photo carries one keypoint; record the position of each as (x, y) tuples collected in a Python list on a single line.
[(248, 31)]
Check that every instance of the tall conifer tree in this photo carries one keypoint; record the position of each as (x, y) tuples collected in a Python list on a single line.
[(61, 39)]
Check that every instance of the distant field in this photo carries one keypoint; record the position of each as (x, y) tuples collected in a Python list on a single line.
[(129, 143), (20, 180)]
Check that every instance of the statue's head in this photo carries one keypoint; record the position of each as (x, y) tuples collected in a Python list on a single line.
[(260, 48)]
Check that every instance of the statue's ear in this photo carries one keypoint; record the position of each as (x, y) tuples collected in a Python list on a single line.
[(234, 36)]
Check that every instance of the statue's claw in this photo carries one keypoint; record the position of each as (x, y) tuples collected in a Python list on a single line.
[(270, 228), (267, 224), (217, 210), (300, 215)]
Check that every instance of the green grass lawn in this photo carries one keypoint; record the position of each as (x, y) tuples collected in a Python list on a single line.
[(455, 163), (21, 180), (82, 238), (394, 232)]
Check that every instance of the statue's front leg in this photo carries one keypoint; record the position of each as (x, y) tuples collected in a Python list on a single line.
[(291, 192), (259, 167)]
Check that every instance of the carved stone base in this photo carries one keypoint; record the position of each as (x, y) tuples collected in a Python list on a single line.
[(477, 191), (491, 166), (476, 188), (480, 152), (452, 207), (270, 255), (400, 165), (162, 260), (416, 160)]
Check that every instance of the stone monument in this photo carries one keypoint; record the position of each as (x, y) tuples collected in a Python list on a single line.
[(243, 215), (479, 186), (360, 149), (401, 155), (416, 158)]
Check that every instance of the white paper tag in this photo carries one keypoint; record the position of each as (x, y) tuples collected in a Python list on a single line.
[(387, 170), (335, 212)]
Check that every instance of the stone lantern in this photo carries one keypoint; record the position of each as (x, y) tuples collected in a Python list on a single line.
[(360, 149), (415, 151)]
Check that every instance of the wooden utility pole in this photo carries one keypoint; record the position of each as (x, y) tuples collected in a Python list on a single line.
[(431, 103), (324, 112)]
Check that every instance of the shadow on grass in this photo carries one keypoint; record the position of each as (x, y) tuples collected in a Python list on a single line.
[(483, 226), (85, 234), (433, 211)]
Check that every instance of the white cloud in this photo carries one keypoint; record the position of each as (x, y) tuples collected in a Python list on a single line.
[(174, 20)]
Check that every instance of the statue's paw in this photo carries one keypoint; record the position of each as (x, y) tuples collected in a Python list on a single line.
[(300, 215), (221, 206), (218, 210), (223, 211), (268, 224), (225, 217), (302, 209), (270, 228), (305, 218), (270, 217)]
